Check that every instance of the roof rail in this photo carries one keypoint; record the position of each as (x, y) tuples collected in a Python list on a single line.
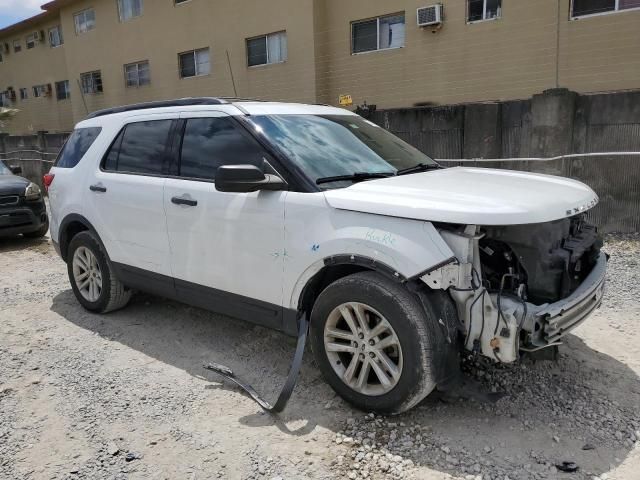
[(181, 102)]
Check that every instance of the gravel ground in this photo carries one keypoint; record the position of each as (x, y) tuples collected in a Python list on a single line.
[(124, 396)]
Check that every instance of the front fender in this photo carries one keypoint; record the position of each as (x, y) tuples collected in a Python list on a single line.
[(402, 247)]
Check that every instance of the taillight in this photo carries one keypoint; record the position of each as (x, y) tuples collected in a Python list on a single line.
[(48, 180)]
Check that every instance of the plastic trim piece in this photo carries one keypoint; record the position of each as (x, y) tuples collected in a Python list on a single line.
[(181, 102), (365, 262)]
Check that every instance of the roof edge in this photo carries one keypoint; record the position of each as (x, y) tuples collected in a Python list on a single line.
[(23, 24)]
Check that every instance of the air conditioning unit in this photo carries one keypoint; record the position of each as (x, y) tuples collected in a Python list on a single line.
[(432, 15)]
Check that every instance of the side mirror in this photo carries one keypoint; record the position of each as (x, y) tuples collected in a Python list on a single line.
[(16, 169), (246, 178)]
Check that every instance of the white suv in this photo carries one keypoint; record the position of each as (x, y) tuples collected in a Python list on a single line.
[(274, 212)]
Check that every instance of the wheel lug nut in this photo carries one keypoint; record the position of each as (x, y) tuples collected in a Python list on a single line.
[(372, 343), (372, 355), (361, 335)]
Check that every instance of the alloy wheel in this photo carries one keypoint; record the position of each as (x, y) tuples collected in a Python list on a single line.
[(363, 348), (87, 274)]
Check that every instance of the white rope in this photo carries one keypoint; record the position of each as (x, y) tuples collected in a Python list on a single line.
[(27, 151), (27, 160), (540, 159)]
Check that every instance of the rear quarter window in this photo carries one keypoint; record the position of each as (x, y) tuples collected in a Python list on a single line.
[(76, 146)]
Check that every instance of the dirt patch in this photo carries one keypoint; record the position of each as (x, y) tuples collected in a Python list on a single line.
[(124, 396)]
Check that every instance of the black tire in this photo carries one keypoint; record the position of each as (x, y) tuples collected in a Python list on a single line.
[(41, 232), (114, 294), (426, 345)]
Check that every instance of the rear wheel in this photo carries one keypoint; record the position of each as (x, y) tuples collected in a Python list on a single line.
[(91, 275), (375, 343)]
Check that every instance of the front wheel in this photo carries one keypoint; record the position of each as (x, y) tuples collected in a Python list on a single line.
[(375, 343), (91, 275)]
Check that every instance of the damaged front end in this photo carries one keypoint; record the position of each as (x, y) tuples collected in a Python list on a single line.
[(522, 287)]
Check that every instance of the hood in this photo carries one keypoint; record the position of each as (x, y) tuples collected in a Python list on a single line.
[(12, 185), (480, 196)]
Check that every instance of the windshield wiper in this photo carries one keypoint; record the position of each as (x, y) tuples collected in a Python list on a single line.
[(420, 167), (355, 177)]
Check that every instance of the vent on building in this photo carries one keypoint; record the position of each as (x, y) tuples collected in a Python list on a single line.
[(431, 15)]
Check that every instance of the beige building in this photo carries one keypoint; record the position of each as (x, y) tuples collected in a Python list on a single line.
[(82, 55)]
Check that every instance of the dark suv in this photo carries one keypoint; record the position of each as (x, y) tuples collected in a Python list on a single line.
[(22, 207)]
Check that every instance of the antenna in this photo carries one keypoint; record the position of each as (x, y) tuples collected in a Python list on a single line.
[(235, 92)]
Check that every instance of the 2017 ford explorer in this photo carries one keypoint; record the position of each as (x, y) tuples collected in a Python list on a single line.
[(273, 212)]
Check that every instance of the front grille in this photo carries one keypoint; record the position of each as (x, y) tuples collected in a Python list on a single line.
[(17, 219), (9, 200)]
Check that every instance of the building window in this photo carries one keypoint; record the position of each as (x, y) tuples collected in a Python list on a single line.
[(1, 58), (128, 9), (17, 46), (32, 40), (478, 10), (91, 82), (24, 94), (195, 63), (5, 99), (62, 90), (266, 49), (581, 8), (39, 91), (55, 36), (85, 20), (377, 34), (137, 74)]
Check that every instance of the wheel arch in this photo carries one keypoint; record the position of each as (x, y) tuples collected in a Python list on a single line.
[(339, 266), (70, 226)]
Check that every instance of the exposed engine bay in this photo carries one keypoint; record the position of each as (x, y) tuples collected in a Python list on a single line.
[(522, 287), (541, 263)]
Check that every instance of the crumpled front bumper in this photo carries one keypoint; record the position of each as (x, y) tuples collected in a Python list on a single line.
[(550, 322)]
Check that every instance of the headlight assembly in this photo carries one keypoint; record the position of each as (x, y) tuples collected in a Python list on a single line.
[(32, 192)]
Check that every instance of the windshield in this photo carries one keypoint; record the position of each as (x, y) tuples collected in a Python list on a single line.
[(333, 145), (4, 170)]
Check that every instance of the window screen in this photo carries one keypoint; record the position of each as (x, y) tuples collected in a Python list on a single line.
[(365, 36), (378, 34), (195, 63), (270, 48), (211, 142), (483, 10), (76, 146), (140, 148), (257, 51), (589, 7)]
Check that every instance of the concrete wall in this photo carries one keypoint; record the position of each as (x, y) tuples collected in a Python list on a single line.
[(556, 122), (33, 153)]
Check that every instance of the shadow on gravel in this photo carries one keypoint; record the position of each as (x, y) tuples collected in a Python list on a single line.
[(583, 409), (13, 244)]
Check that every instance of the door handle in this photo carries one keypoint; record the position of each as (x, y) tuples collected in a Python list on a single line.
[(98, 188), (184, 201)]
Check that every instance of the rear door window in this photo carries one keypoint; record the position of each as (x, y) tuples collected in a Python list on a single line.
[(76, 146), (214, 141), (141, 147)]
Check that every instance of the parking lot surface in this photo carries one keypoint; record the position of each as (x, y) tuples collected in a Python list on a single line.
[(124, 396)]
